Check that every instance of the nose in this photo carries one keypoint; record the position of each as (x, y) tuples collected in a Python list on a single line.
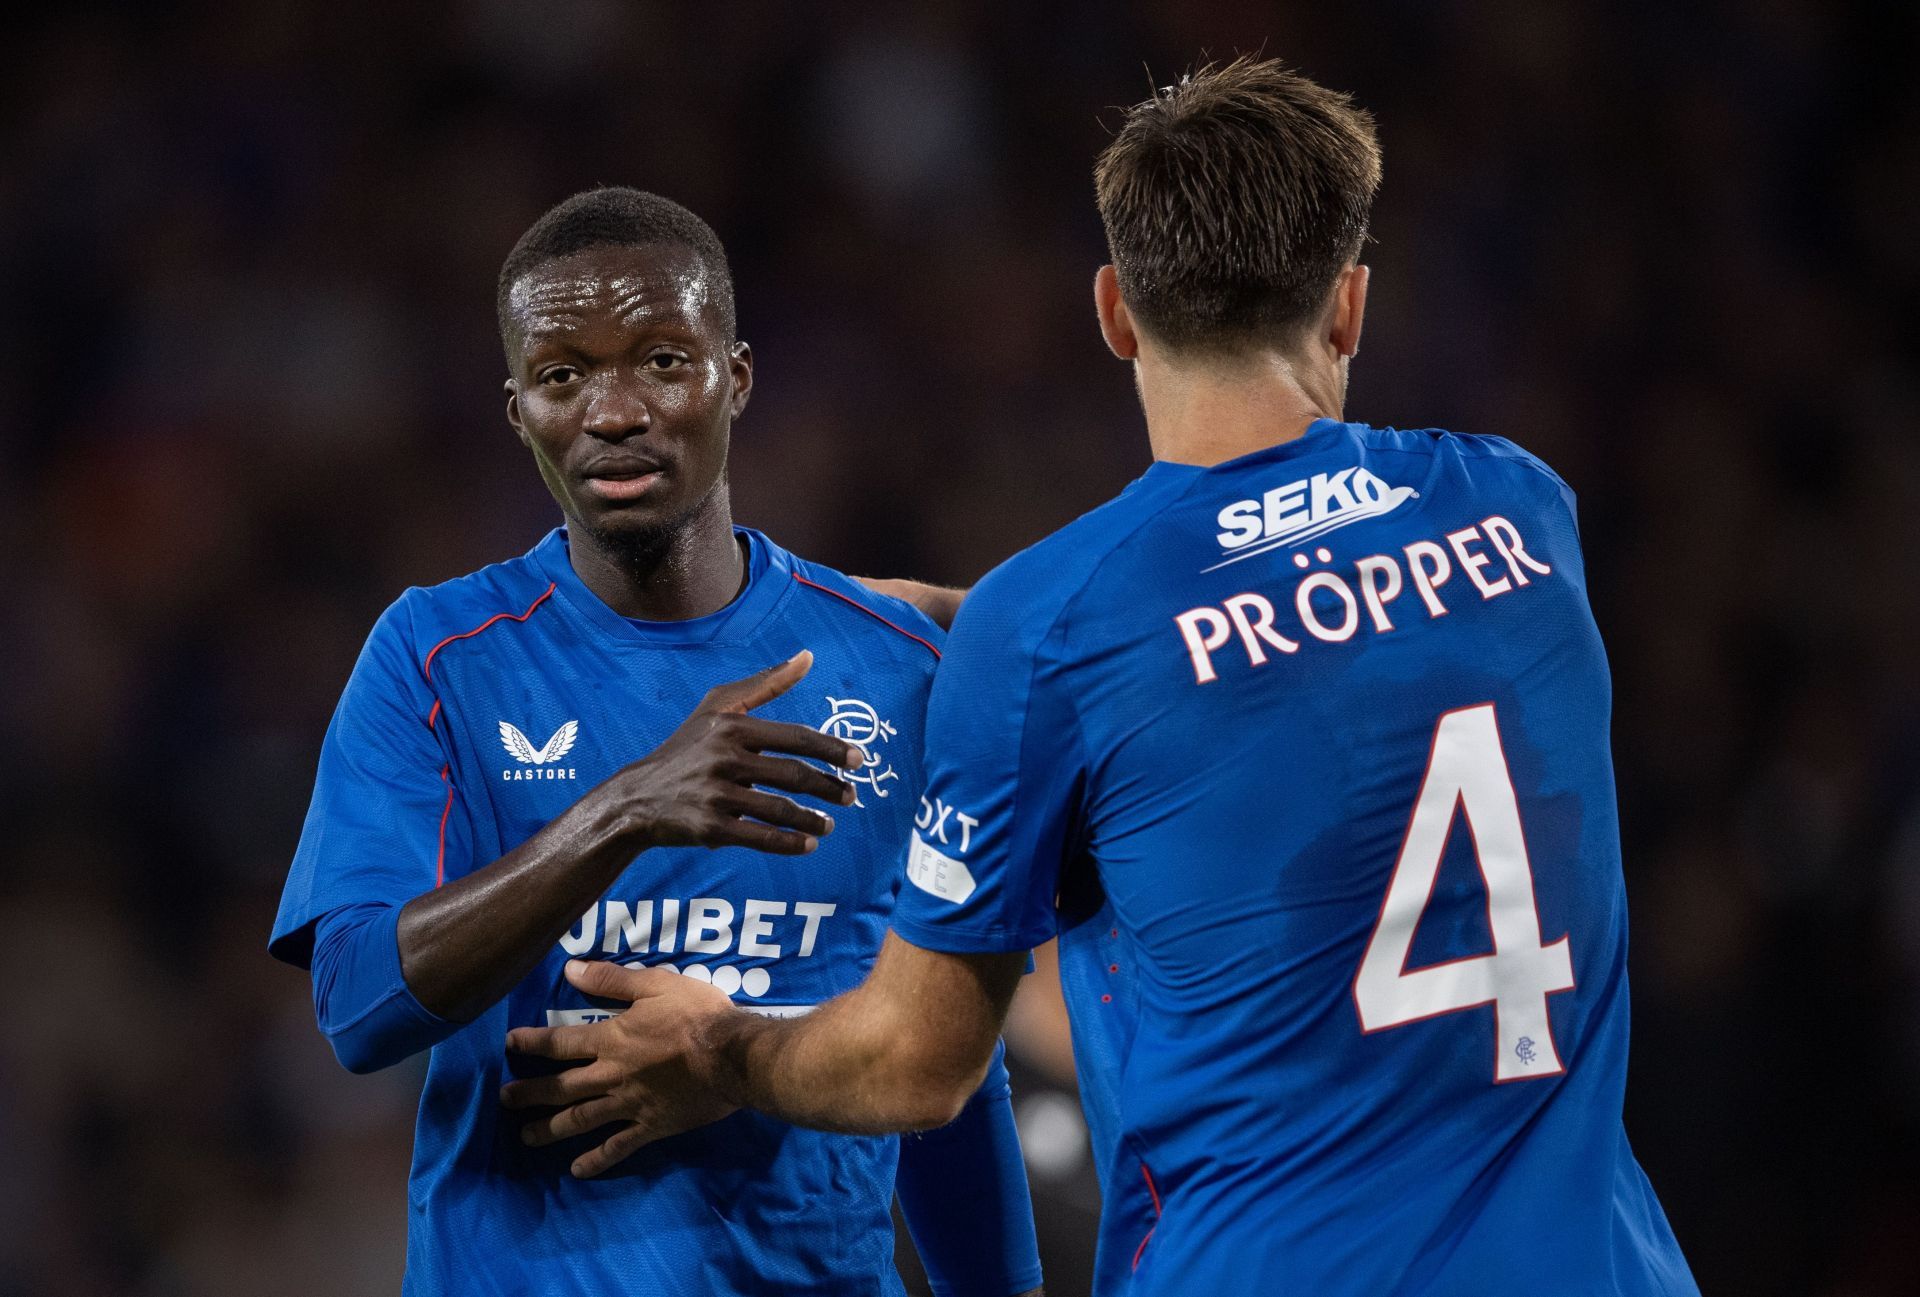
[(616, 410)]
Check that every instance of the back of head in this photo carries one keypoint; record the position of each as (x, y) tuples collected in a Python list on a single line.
[(1232, 201), (614, 216)]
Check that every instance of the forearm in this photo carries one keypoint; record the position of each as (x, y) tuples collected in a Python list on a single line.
[(903, 1051), (464, 945), (814, 1072)]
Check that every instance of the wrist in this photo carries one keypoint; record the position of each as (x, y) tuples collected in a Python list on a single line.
[(612, 819), (716, 1050)]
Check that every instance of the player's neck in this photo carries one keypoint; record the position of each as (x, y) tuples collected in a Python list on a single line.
[(1208, 412), (696, 569)]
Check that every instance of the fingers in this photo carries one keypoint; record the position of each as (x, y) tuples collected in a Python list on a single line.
[(557, 1091), (761, 687), (618, 1148), (568, 1122), (608, 980), (763, 837), (791, 776), (554, 1042), (781, 812), (762, 735)]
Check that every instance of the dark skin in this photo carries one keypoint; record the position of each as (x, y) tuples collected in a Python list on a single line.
[(625, 385), (902, 1050), (625, 382)]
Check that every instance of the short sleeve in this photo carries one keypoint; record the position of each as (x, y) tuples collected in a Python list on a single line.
[(384, 824), (1004, 780)]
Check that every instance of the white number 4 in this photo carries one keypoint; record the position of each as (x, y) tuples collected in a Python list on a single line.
[(1468, 770)]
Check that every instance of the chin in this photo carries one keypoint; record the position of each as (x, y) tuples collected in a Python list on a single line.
[(619, 530), (635, 534)]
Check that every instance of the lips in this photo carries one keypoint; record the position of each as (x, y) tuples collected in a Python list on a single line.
[(623, 479)]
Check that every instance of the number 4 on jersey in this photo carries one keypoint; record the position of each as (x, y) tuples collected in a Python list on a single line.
[(1468, 770)]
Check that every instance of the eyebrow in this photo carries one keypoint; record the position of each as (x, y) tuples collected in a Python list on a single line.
[(532, 336)]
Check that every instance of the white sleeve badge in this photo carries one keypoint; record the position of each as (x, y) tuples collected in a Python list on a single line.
[(937, 873)]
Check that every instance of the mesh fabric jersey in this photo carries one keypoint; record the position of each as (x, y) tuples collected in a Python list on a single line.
[(1305, 757), (479, 711)]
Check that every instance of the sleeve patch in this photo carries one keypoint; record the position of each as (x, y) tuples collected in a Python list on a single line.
[(937, 873)]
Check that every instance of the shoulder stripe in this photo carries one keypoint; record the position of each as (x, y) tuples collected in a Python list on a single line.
[(879, 617), (426, 667)]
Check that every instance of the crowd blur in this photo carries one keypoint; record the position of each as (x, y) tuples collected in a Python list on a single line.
[(253, 392)]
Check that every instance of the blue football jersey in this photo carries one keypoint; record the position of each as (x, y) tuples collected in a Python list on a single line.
[(481, 709), (1304, 756)]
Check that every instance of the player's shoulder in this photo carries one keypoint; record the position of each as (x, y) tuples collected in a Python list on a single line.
[(896, 625), (1464, 446), (1028, 595), (427, 617)]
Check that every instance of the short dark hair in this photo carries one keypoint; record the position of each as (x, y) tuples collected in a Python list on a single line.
[(618, 217), (1233, 200)]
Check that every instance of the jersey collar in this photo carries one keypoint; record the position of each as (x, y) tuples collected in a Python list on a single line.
[(769, 577), (1319, 435)]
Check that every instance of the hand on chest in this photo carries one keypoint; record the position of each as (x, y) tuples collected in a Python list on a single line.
[(537, 746)]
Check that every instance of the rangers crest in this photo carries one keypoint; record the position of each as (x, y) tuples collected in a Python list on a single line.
[(859, 724)]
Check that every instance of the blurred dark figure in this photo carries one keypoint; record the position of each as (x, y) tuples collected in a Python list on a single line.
[(248, 344)]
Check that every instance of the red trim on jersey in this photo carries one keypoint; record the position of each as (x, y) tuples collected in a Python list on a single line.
[(426, 671), (855, 603), (1153, 1192), (426, 667), (440, 864)]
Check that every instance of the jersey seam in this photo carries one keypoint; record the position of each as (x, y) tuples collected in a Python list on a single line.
[(1060, 619), (882, 618), (433, 715), (993, 934), (446, 813), (396, 991), (1480, 450), (1033, 675), (426, 663), (1153, 1192)]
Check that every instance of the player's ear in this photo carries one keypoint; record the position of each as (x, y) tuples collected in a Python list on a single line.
[(1349, 310), (513, 413), (740, 366), (1116, 325)]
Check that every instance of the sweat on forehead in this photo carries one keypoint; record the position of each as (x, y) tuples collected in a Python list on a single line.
[(634, 285), (615, 217)]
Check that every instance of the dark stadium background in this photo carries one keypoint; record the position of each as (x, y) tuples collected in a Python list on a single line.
[(251, 391)]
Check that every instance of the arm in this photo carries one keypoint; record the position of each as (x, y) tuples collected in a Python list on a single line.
[(940, 602), (905, 1049), (393, 978), (1038, 1030), (902, 1051), (963, 1191), (464, 945), (360, 999)]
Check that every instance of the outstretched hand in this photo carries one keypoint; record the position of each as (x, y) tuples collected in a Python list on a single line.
[(642, 1068)]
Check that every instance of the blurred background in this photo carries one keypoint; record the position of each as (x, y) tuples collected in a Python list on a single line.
[(253, 391)]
